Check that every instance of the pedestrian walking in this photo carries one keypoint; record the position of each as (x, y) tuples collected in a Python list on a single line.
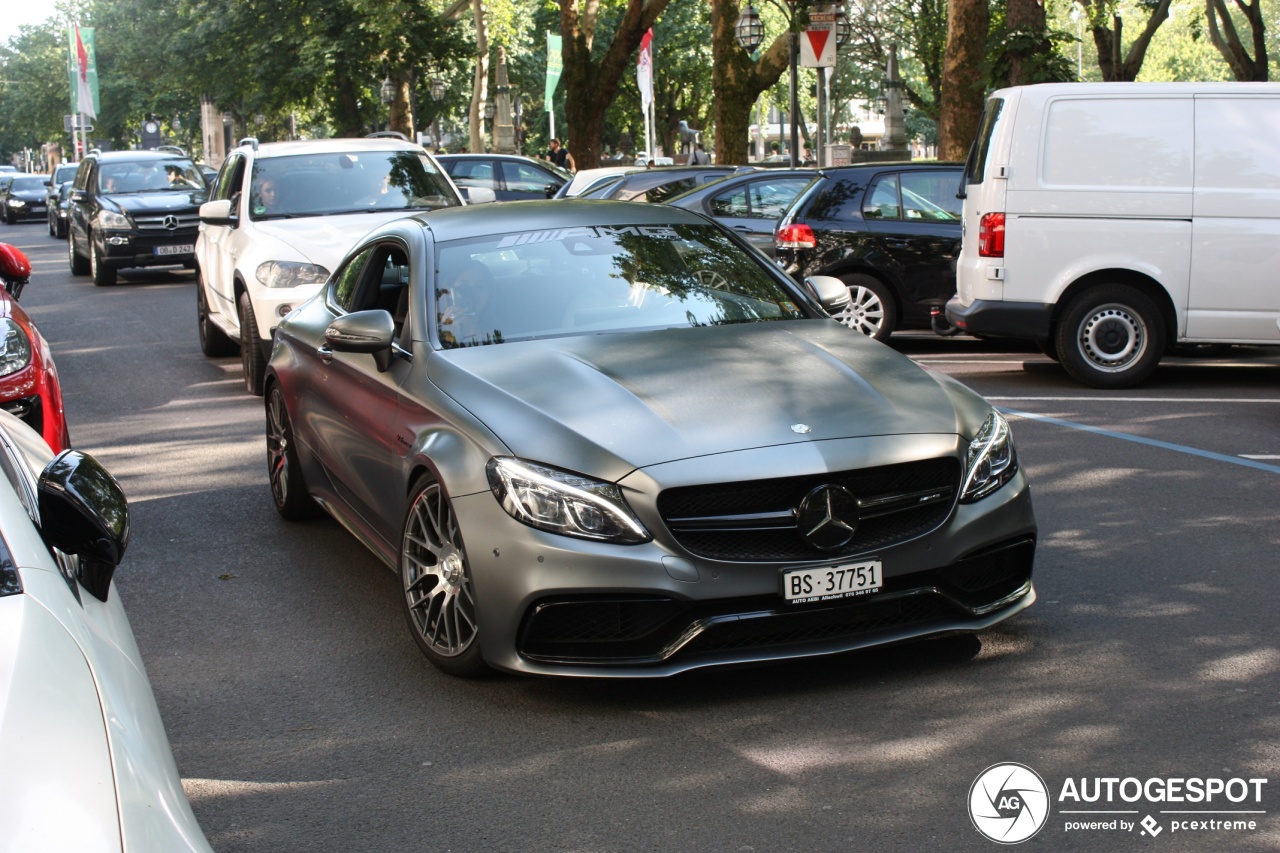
[(560, 156), (700, 156)]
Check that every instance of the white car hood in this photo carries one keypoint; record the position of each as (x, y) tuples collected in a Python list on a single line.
[(321, 240), (57, 791)]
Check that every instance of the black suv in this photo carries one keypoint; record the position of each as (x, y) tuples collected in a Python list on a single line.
[(890, 231), (133, 209)]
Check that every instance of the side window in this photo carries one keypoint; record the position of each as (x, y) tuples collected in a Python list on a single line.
[(770, 198), (473, 173), (346, 283), (521, 177), (85, 174), (732, 203), (931, 196), (882, 199), (229, 178)]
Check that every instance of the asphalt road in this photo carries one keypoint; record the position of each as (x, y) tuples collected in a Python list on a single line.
[(303, 718)]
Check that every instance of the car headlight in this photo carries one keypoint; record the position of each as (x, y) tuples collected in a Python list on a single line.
[(109, 219), (15, 347), (563, 502), (17, 202), (991, 461), (290, 274)]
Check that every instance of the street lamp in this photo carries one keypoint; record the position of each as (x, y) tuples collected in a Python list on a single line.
[(749, 33), (437, 89), (387, 92)]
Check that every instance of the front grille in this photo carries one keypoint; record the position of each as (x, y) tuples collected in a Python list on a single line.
[(614, 628), (755, 521), (188, 221)]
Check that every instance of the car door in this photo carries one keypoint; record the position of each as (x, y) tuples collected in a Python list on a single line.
[(475, 172), (81, 209), (214, 246), (913, 221), (752, 207), (350, 406)]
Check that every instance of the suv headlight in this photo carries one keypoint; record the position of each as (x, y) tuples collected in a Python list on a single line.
[(991, 461), (563, 502), (109, 219), (15, 347), (17, 202), (290, 274)]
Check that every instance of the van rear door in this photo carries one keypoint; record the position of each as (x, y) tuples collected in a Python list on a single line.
[(983, 189)]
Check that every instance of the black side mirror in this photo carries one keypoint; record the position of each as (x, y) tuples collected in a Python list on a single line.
[(83, 512), (364, 331)]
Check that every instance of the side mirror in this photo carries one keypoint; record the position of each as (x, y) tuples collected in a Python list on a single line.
[(832, 293), (364, 331), (49, 183), (552, 189), (83, 512), (478, 195), (79, 196), (217, 212)]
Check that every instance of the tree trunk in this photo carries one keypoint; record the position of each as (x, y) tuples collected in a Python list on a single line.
[(962, 82), (591, 84), (737, 81), (1027, 17), (1223, 35), (401, 107), (1114, 67)]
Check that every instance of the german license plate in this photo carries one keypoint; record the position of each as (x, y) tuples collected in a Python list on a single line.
[(185, 249), (832, 582)]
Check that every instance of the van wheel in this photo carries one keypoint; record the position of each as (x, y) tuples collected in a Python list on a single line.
[(870, 310), (1111, 336)]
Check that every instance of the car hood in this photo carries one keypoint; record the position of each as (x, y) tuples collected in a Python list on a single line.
[(163, 201), (28, 195), (607, 404), (322, 240)]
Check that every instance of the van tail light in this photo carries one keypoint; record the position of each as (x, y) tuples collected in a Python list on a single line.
[(991, 235), (795, 236)]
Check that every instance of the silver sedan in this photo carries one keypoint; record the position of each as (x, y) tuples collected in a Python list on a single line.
[(601, 439)]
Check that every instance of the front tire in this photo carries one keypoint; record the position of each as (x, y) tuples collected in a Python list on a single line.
[(1110, 336), (871, 309), (79, 263), (255, 366), (213, 341), (288, 488), (103, 275), (439, 600)]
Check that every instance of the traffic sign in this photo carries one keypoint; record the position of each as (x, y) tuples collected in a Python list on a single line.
[(69, 124), (818, 47)]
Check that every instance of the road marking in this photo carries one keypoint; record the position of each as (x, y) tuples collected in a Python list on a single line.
[(1257, 456), (1150, 442)]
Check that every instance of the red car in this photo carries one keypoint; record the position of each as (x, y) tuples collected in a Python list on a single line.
[(29, 387)]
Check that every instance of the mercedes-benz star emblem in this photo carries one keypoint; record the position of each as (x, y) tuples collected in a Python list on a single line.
[(171, 222), (801, 429), (828, 517)]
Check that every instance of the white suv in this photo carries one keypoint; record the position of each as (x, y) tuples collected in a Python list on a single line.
[(281, 215)]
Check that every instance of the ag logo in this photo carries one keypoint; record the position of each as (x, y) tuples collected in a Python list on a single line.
[(1008, 803)]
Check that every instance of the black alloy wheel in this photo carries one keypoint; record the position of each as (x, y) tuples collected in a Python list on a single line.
[(439, 600), (79, 263), (288, 488), (103, 275)]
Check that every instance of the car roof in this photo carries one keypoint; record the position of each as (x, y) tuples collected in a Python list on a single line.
[(697, 193), (460, 223), (895, 165), (136, 156), (330, 146)]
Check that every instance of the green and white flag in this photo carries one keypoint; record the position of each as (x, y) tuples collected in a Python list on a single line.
[(555, 64)]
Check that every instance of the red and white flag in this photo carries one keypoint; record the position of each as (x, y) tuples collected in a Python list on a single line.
[(84, 94), (644, 69)]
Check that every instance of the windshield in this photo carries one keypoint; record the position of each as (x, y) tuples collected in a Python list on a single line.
[(28, 184), (598, 279), (348, 182), (149, 176)]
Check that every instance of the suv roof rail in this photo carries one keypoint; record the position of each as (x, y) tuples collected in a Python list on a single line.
[(388, 134), (172, 149), (95, 150), (251, 141)]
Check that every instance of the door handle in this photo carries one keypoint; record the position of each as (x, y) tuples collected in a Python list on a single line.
[(325, 353)]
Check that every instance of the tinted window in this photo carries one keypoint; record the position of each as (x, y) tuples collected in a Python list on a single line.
[(659, 194), (521, 177), (149, 176), (347, 281), (976, 167), (882, 200), (590, 280), (931, 196), (28, 184), (229, 179)]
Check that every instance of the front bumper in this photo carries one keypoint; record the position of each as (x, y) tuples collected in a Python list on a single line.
[(29, 211), (553, 605), (122, 249)]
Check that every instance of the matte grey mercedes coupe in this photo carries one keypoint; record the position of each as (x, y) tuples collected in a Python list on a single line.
[(611, 439)]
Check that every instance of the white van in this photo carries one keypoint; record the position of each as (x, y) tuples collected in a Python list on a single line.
[(1108, 222)]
